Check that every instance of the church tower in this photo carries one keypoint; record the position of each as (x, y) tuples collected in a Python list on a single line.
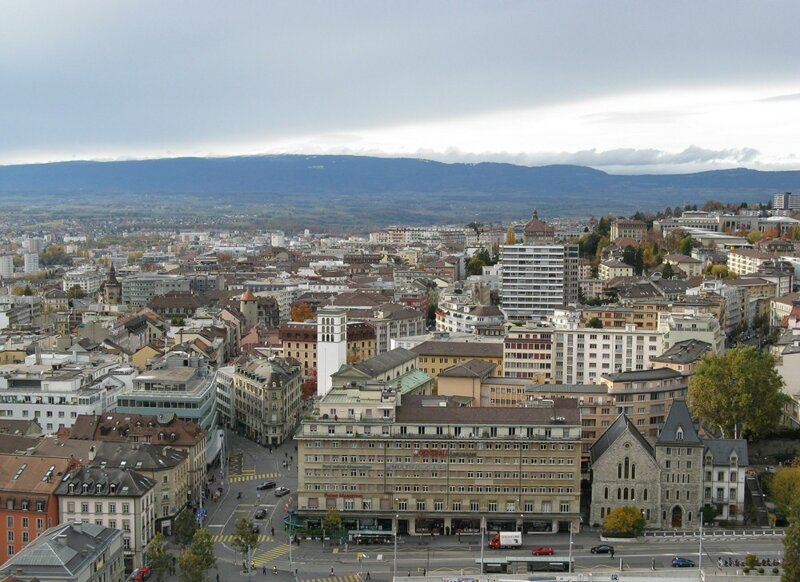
[(331, 345), (112, 289)]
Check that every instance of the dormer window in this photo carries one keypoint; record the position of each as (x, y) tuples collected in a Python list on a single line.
[(734, 461), (72, 487), (679, 434), (39, 505), (172, 437), (85, 487), (98, 488), (112, 488), (161, 436)]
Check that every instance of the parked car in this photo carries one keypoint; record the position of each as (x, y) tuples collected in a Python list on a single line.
[(281, 491), (602, 549), (680, 562), (260, 513), (543, 551), (266, 485), (141, 574)]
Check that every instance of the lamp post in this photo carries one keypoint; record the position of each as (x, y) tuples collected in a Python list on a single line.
[(482, 544), (569, 565), (700, 555), (396, 527)]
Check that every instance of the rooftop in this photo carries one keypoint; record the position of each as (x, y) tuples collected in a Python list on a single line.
[(442, 410)]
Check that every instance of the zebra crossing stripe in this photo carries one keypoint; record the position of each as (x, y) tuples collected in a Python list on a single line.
[(252, 477), (271, 555), (351, 578), (229, 538)]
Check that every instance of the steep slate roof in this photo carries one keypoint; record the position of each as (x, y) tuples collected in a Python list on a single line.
[(619, 427), (679, 417), (385, 361), (61, 552), (721, 450), (685, 352), (128, 483), (643, 375)]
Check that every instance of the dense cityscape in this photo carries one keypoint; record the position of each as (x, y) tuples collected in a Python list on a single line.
[(236, 393)]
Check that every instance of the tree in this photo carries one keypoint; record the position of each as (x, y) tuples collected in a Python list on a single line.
[(754, 236), (624, 521), (332, 520), (595, 323), (791, 549), (185, 526), (245, 538), (75, 292), (158, 557), (685, 246), (738, 392), (191, 567), (784, 488), (667, 272), (302, 312), (708, 513), (511, 237), (203, 547), (477, 227)]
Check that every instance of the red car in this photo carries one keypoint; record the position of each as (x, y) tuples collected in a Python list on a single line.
[(141, 574), (543, 551)]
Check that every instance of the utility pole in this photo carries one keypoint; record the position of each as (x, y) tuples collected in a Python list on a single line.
[(482, 543), (700, 555), (570, 548)]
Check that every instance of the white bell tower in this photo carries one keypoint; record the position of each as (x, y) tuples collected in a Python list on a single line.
[(331, 345)]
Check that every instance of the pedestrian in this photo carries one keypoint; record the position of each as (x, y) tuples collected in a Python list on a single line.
[(331, 570), (611, 551), (272, 531), (653, 563), (719, 562), (459, 536), (264, 569), (217, 576), (368, 576)]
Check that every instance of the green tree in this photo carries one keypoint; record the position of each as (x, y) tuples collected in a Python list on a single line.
[(191, 567), (708, 513), (685, 245), (75, 292), (185, 526), (595, 323), (624, 521), (245, 537), (738, 392), (158, 557), (477, 227), (203, 547), (332, 520), (667, 272), (511, 237), (754, 236), (791, 549)]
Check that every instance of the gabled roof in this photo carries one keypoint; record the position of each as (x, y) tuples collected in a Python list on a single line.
[(469, 369), (619, 427), (679, 421), (721, 450), (685, 352), (379, 364)]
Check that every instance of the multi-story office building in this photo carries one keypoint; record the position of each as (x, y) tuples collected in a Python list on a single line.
[(266, 398), (425, 464), (56, 388), (183, 386), (630, 229), (786, 201), (537, 279), (746, 261), (117, 498), (88, 279), (70, 552), (139, 289)]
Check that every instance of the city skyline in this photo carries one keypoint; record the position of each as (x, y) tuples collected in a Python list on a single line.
[(678, 87)]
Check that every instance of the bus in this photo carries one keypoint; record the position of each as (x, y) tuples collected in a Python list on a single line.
[(371, 536)]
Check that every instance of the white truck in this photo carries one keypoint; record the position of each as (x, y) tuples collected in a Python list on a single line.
[(506, 539)]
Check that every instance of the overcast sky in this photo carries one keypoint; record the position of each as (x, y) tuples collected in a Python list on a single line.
[(628, 87)]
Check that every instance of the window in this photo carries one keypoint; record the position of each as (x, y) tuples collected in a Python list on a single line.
[(420, 505), (563, 507), (112, 508), (84, 508), (126, 508), (98, 508)]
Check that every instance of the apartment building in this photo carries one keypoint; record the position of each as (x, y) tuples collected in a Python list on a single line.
[(113, 497), (266, 398), (725, 463), (70, 552), (644, 315), (744, 261), (139, 289), (428, 465), (537, 279), (299, 341), (87, 279), (433, 357), (29, 505), (528, 352), (612, 268)]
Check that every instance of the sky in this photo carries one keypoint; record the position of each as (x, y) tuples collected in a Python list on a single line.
[(623, 86)]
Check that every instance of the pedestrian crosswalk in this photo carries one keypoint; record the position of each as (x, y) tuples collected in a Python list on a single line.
[(271, 555), (253, 476), (350, 578), (229, 538)]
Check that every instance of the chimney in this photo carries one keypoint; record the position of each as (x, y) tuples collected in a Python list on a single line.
[(38, 354), (92, 453)]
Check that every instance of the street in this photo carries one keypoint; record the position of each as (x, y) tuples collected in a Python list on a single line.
[(435, 556)]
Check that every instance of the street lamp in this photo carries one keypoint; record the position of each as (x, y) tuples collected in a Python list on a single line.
[(396, 527)]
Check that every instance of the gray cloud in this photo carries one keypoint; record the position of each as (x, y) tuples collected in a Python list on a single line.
[(139, 75)]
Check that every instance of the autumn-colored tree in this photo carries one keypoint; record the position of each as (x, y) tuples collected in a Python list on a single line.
[(784, 488), (754, 236), (511, 237), (624, 521), (302, 312)]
